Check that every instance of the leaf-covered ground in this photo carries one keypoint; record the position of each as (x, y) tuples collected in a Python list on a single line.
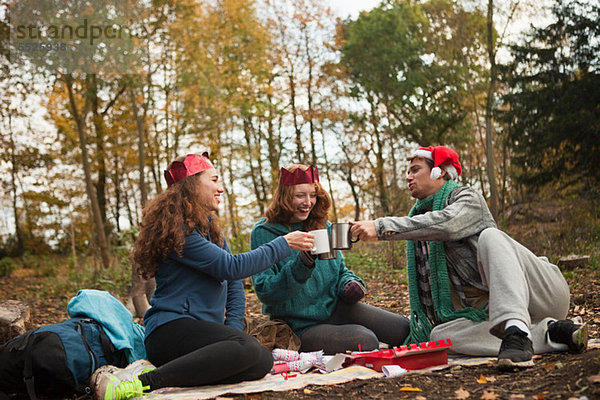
[(555, 376)]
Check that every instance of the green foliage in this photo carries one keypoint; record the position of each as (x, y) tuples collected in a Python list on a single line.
[(239, 244), (383, 261), (553, 105), (409, 58), (7, 266)]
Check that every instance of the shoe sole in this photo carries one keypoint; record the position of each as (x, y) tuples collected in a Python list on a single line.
[(579, 339), (506, 364), (94, 378)]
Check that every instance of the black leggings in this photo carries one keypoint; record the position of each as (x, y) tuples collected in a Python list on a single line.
[(188, 352), (351, 325)]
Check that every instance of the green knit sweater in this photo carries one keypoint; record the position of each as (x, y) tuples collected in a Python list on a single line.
[(290, 291), (420, 326)]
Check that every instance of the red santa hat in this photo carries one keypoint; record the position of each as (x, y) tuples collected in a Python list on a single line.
[(442, 157)]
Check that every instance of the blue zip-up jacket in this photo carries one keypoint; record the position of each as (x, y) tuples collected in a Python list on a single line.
[(205, 282)]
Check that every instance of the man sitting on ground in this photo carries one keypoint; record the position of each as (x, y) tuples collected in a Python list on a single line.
[(469, 281)]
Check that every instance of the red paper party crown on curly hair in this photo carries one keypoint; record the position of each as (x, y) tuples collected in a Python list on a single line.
[(287, 178), (191, 165)]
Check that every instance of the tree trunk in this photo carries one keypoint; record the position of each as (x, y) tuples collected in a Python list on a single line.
[(253, 171), (309, 94), (297, 130), (141, 289), (352, 184), (79, 118), (379, 167), (328, 174), (273, 145), (489, 129), (100, 151), (13, 180), (141, 153)]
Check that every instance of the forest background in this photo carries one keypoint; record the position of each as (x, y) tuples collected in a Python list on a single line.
[(267, 83)]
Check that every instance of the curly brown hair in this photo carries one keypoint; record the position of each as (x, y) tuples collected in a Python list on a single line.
[(281, 210), (167, 220)]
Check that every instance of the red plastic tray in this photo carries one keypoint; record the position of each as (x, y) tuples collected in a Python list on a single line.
[(413, 356)]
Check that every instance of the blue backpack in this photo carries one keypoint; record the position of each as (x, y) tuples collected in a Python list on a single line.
[(56, 360)]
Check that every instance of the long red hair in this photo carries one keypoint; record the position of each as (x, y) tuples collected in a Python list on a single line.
[(281, 209), (167, 220)]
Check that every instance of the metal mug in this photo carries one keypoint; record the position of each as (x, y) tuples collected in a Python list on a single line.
[(341, 238), (332, 254)]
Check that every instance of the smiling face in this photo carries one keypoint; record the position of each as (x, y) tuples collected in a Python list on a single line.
[(210, 189), (420, 183), (304, 199)]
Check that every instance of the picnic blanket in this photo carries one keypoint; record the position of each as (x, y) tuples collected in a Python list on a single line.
[(295, 380)]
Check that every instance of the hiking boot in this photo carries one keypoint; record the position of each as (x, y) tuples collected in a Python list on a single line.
[(112, 383), (516, 350), (134, 370), (566, 331)]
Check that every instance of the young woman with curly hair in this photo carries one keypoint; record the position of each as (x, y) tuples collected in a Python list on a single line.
[(317, 298), (194, 329)]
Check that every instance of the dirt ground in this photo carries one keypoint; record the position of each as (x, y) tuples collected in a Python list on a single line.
[(555, 376)]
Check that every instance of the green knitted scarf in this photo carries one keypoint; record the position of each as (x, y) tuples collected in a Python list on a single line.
[(420, 326)]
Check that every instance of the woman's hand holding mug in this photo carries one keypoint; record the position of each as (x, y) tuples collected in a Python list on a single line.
[(299, 240)]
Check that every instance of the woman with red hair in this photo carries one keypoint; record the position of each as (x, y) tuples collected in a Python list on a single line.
[(318, 298), (194, 329)]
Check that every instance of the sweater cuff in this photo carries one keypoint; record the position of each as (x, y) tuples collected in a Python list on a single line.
[(307, 258), (302, 272), (379, 227)]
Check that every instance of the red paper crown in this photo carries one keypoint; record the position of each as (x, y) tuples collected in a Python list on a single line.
[(286, 178), (191, 165)]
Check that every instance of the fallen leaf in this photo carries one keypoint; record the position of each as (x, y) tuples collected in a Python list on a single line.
[(482, 379), (517, 396), (489, 395), (539, 396), (593, 379), (461, 394), (420, 397), (491, 379), (554, 365), (409, 389), (308, 391)]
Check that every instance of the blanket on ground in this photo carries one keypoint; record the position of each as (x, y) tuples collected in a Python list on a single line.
[(295, 380)]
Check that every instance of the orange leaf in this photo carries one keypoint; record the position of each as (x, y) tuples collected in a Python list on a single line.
[(409, 389), (482, 379)]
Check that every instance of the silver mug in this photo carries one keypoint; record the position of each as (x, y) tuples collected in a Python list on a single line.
[(332, 254), (341, 238)]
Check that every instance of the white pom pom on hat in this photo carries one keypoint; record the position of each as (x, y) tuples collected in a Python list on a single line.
[(441, 156)]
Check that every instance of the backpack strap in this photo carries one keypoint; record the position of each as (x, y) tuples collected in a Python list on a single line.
[(107, 346), (91, 354), (28, 367)]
